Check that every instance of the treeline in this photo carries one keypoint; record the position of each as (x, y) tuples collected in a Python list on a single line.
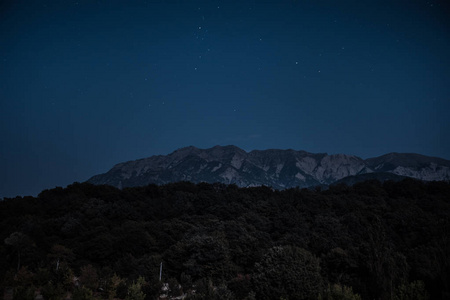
[(373, 240)]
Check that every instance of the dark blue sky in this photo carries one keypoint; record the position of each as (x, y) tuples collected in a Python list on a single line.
[(88, 84)]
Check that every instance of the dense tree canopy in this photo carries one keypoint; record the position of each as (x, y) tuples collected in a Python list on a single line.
[(369, 241)]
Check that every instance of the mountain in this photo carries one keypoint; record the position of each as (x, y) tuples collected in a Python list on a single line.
[(411, 165), (279, 169)]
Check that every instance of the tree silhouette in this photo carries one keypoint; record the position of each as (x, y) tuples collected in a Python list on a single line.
[(18, 241)]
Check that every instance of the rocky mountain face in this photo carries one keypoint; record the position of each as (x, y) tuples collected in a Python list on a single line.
[(279, 169)]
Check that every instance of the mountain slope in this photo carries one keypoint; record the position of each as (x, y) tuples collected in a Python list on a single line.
[(277, 168), (411, 165)]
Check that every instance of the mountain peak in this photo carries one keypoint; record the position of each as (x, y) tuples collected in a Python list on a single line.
[(407, 160), (227, 148), (272, 167), (186, 149)]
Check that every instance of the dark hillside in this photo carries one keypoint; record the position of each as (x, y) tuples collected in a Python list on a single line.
[(378, 240)]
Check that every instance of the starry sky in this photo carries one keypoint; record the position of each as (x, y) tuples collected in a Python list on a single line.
[(88, 84)]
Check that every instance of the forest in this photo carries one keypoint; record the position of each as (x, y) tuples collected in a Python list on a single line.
[(371, 240)]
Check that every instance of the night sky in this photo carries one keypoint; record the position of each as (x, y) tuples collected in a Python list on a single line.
[(88, 84)]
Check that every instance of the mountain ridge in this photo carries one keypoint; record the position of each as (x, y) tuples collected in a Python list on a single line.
[(278, 168)]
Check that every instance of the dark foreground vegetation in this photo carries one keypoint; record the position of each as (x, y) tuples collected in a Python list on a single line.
[(369, 241)]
